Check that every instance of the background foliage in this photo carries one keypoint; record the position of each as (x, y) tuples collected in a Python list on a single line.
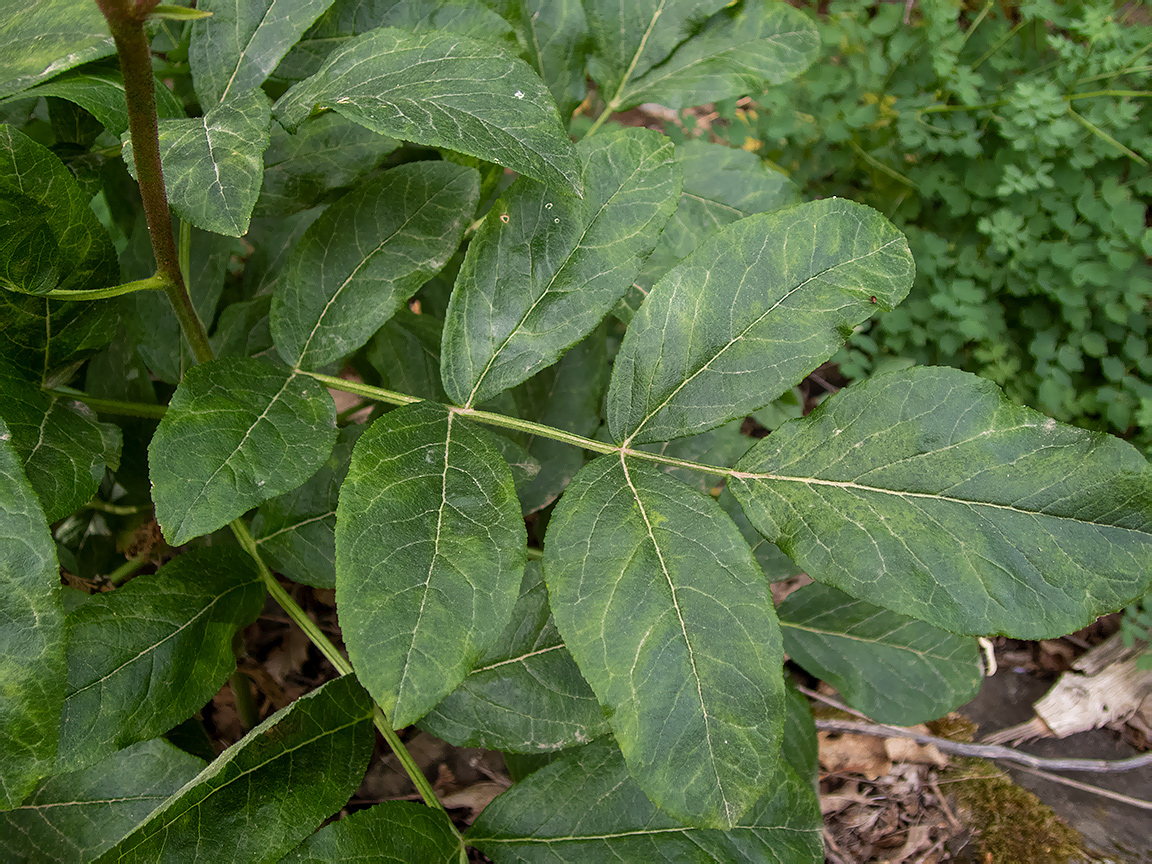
[(1011, 143)]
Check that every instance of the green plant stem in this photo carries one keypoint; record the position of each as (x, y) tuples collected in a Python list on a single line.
[(391, 397), (1096, 130), (245, 703), (121, 574), (111, 406), (126, 22), (324, 646), (535, 554), (152, 283), (117, 509)]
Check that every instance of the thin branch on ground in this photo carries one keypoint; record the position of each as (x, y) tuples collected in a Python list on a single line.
[(986, 751)]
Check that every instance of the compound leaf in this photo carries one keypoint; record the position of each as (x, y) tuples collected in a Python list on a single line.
[(366, 255), (321, 741), (63, 236), (214, 165), (671, 623), (240, 44), (585, 808), (446, 91), (893, 668), (395, 832), (42, 38), (525, 694), (238, 431), (544, 269), (928, 492), (72, 818), (31, 634), (429, 556), (745, 48), (148, 655), (748, 314)]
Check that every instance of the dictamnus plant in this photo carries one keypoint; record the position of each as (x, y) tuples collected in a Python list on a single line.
[(389, 190)]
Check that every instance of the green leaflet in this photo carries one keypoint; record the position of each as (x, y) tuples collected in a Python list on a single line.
[(446, 91), (47, 219), (297, 530), (100, 92), (585, 808), (240, 45), (366, 255), (893, 668), (749, 313), (671, 622), (31, 634), (72, 818), (327, 152), (64, 449), (237, 432), (322, 741), (631, 36), (721, 186), (42, 38), (525, 694), (148, 655), (429, 556), (928, 492), (396, 831), (557, 39), (45, 338), (745, 48), (544, 269), (213, 165)]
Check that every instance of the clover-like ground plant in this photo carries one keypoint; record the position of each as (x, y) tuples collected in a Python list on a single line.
[(552, 538)]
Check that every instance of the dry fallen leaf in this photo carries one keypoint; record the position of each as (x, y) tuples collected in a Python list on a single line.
[(474, 798), (853, 754)]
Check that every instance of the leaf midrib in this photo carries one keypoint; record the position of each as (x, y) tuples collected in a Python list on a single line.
[(839, 634), (745, 475), (219, 765), (684, 634)]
